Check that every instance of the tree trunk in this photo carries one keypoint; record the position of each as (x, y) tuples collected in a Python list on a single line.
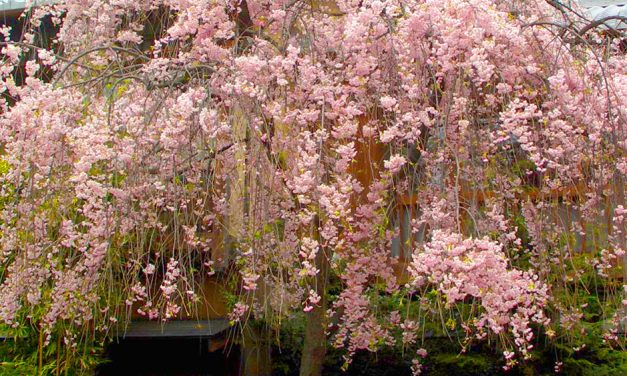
[(622, 243), (315, 342), (255, 352)]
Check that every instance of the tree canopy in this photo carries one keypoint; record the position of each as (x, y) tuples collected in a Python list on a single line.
[(147, 145)]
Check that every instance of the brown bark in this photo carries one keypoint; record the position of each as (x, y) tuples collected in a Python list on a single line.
[(255, 352), (622, 242), (315, 342)]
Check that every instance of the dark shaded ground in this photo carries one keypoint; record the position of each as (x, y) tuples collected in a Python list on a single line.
[(168, 357)]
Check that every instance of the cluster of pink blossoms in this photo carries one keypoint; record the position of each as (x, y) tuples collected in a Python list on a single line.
[(460, 269)]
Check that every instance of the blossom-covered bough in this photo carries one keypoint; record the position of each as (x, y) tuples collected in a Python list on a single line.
[(157, 142)]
